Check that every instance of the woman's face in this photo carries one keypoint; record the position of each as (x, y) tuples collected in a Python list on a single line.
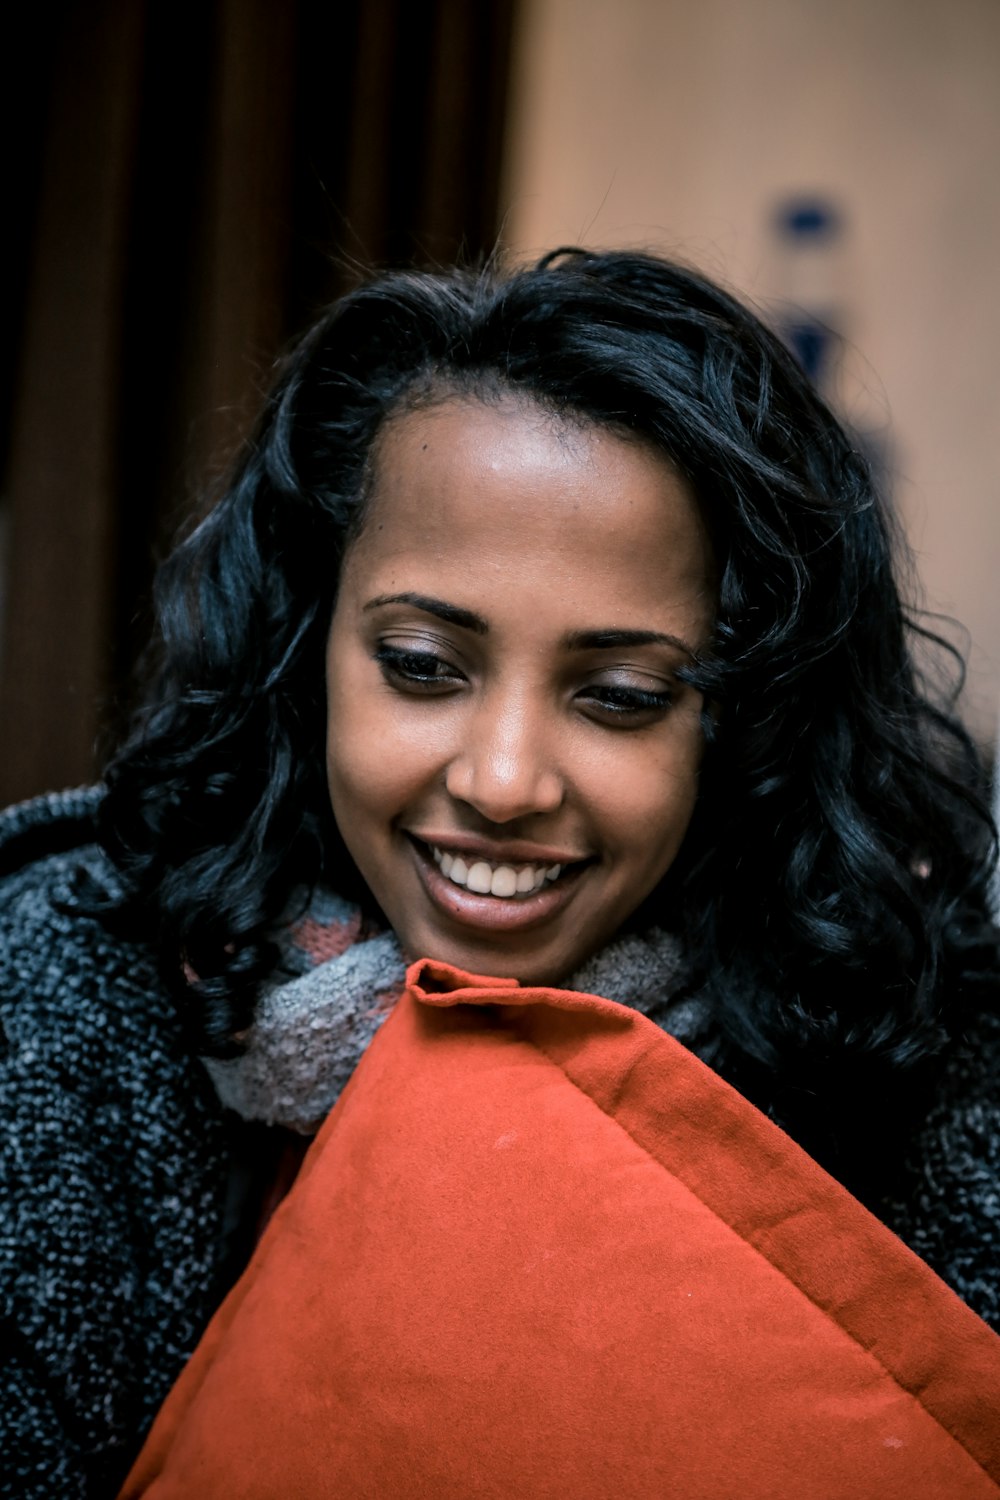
[(511, 758)]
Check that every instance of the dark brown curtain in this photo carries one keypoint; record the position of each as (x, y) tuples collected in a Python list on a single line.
[(190, 181)]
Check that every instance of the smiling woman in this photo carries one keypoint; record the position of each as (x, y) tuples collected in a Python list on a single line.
[(628, 770), (538, 754)]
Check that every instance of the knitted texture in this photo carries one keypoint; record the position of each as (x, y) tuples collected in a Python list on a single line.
[(310, 1032), (333, 990), (949, 1208), (112, 1177)]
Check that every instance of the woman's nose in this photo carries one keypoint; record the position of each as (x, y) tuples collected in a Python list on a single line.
[(506, 766)]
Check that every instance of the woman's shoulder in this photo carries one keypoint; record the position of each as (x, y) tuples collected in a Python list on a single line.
[(950, 1211), (48, 847), (61, 963), (48, 824), (81, 996)]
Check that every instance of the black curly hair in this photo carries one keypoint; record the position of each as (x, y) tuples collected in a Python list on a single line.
[(833, 889)]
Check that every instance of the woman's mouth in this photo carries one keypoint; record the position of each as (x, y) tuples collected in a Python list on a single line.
[(500, 894)]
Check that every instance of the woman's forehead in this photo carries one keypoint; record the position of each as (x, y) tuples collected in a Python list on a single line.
[(521, 457), (509, 496)]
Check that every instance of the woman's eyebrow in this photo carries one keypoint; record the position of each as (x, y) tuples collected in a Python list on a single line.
[(450, 612), (578, 640), (600, 640)]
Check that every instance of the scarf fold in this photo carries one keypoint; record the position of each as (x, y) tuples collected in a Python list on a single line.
[(334, 988)]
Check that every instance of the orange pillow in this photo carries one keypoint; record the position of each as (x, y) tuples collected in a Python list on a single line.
[(539, 1250)]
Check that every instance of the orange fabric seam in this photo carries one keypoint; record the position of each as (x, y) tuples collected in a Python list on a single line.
[(780, 1269)]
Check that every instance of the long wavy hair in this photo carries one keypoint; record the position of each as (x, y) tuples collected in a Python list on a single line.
[(833, 889)]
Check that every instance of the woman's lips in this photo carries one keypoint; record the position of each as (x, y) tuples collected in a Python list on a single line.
[(496, 913)]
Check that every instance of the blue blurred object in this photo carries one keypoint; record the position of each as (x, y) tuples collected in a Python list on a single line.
[(808, 227), (812, 344), (807, 218)]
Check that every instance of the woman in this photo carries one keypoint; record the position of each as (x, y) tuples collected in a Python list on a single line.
[(591, 602)]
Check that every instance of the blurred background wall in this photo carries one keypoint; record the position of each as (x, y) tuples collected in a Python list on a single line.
[(686, 125), (190, 181)]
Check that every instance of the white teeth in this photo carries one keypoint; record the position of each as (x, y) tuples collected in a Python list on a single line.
[(504, 882), (480, 878), (494, 880)]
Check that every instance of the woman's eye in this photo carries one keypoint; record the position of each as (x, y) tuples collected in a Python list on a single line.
[(415, 668), (623, 704)]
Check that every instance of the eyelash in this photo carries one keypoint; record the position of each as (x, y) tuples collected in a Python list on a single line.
[(399, 665), (418, 670), (631, 700)]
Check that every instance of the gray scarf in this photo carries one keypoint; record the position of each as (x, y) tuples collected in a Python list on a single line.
[(334, 989)]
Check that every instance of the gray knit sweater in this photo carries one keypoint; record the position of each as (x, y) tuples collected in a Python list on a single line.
[(117, 1159), (112, 1175)]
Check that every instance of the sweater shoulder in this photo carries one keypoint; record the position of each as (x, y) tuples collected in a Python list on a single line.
[(49, 824), (950, 1211), (61, 966)]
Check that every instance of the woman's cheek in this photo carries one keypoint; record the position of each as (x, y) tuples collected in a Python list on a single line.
[(665, 793)]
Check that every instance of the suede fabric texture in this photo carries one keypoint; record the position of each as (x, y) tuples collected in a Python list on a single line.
[(507, 1268)]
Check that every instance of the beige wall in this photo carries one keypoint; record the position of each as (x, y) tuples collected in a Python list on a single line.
[(676, 124)]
